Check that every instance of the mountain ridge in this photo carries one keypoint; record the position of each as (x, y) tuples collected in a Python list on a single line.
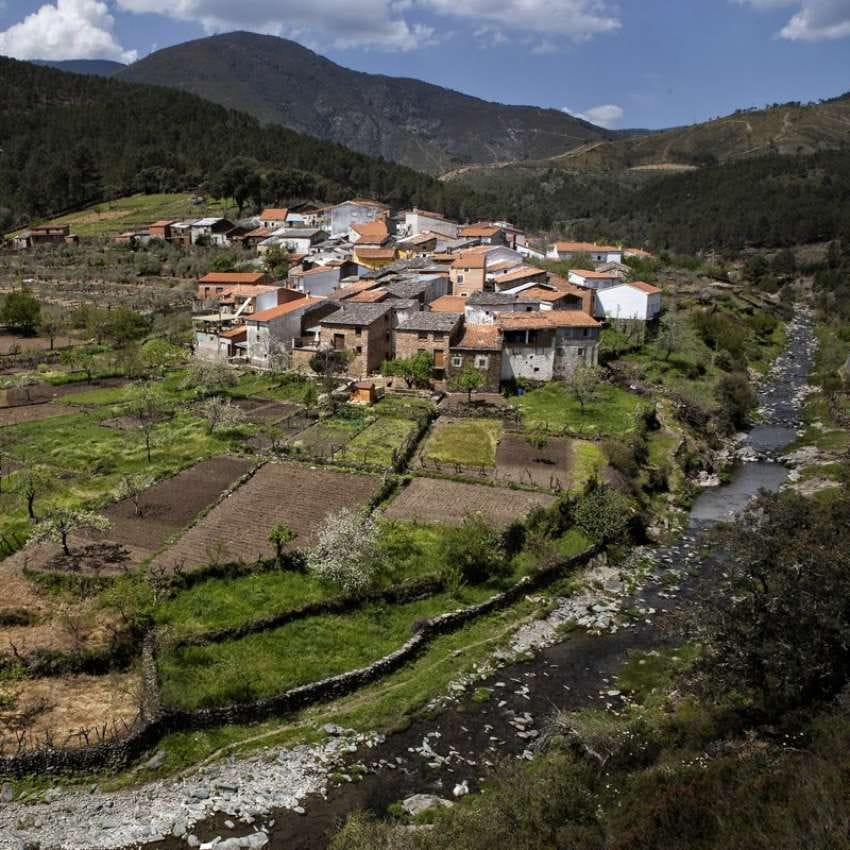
[(402, 119)]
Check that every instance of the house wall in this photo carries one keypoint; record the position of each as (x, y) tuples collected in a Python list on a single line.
[(265, 337), (487, 362), (415, 223), (625, 302), (408, 343), (374, 343), (593, 282), (317, 283), (467, 280), (484, 314), (596, 256), (209, 346), (348, 213), (572, 348)]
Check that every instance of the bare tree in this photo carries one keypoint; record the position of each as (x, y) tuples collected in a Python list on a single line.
[(147, 405)]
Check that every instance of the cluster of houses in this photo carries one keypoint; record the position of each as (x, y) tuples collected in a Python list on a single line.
[(381, 285)]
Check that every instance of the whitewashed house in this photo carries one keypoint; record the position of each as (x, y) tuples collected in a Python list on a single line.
[(628, 301), (321, 280), (590, 279), (358, 211), (295, 240), (418, 221)]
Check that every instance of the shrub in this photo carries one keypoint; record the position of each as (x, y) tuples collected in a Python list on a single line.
[(603, 513), (474, 551)]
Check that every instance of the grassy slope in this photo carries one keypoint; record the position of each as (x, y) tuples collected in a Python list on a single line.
[(113, 217)]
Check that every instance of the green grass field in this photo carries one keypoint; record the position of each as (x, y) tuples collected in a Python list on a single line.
[(113, 217), (300, 652), (378, 443), (86, 459), (554, 408), (470, 442)]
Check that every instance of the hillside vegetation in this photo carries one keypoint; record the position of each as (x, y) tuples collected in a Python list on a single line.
[(69, 140)]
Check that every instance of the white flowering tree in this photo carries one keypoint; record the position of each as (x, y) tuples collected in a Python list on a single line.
[(61, 522), (221, 414), (345, 555)]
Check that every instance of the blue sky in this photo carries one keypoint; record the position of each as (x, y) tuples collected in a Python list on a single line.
[(632, 63)]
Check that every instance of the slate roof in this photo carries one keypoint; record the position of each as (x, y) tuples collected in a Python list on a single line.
[(353, 314), (426, 321)]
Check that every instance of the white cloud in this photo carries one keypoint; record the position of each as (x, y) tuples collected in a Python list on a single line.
[(387, 24), (70, 29), (607, 115), (577, 20), (321, 23), (814, 20)]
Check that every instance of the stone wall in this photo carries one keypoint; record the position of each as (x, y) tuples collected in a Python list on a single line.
[(114, 754)]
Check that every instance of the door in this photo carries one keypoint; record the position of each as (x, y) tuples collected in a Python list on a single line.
[(439, 359)]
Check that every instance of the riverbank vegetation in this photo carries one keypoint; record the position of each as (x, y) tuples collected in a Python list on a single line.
[(737, 738)]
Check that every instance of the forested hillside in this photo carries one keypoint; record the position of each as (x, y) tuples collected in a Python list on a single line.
[(68, 140), (771, 201)]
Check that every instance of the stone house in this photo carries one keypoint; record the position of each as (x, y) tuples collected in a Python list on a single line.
[(547, 345), (431, 332), (483, 308), (480, 346), (364, 330)]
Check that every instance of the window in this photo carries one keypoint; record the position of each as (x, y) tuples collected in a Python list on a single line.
[(457, 361), (586, 332), (580, 352), (422, 335), (482, 361), (358, 331), (438, 335), (358, 349), (460, 278)]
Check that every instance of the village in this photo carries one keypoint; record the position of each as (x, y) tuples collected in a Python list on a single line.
[(380, 286)]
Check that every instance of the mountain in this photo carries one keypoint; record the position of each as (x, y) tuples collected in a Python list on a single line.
[(68, 140), (97, 67), (403, 120), (789, 128)]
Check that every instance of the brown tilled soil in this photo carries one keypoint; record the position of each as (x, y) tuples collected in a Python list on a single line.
[(173, 502), (9, 342), (435, 500), (520, 462), (263, 411), (237, 528), (64, 706), (31, 413)]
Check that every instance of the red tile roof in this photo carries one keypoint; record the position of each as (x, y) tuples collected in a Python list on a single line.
[(470, 261), (283, 309), (235, 333), (546, 319), (648, 288), (234, 277), (480, 338), (522, 273), (369, 296), (448, 304), (478, 230), (274, 213), (589, 273)]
